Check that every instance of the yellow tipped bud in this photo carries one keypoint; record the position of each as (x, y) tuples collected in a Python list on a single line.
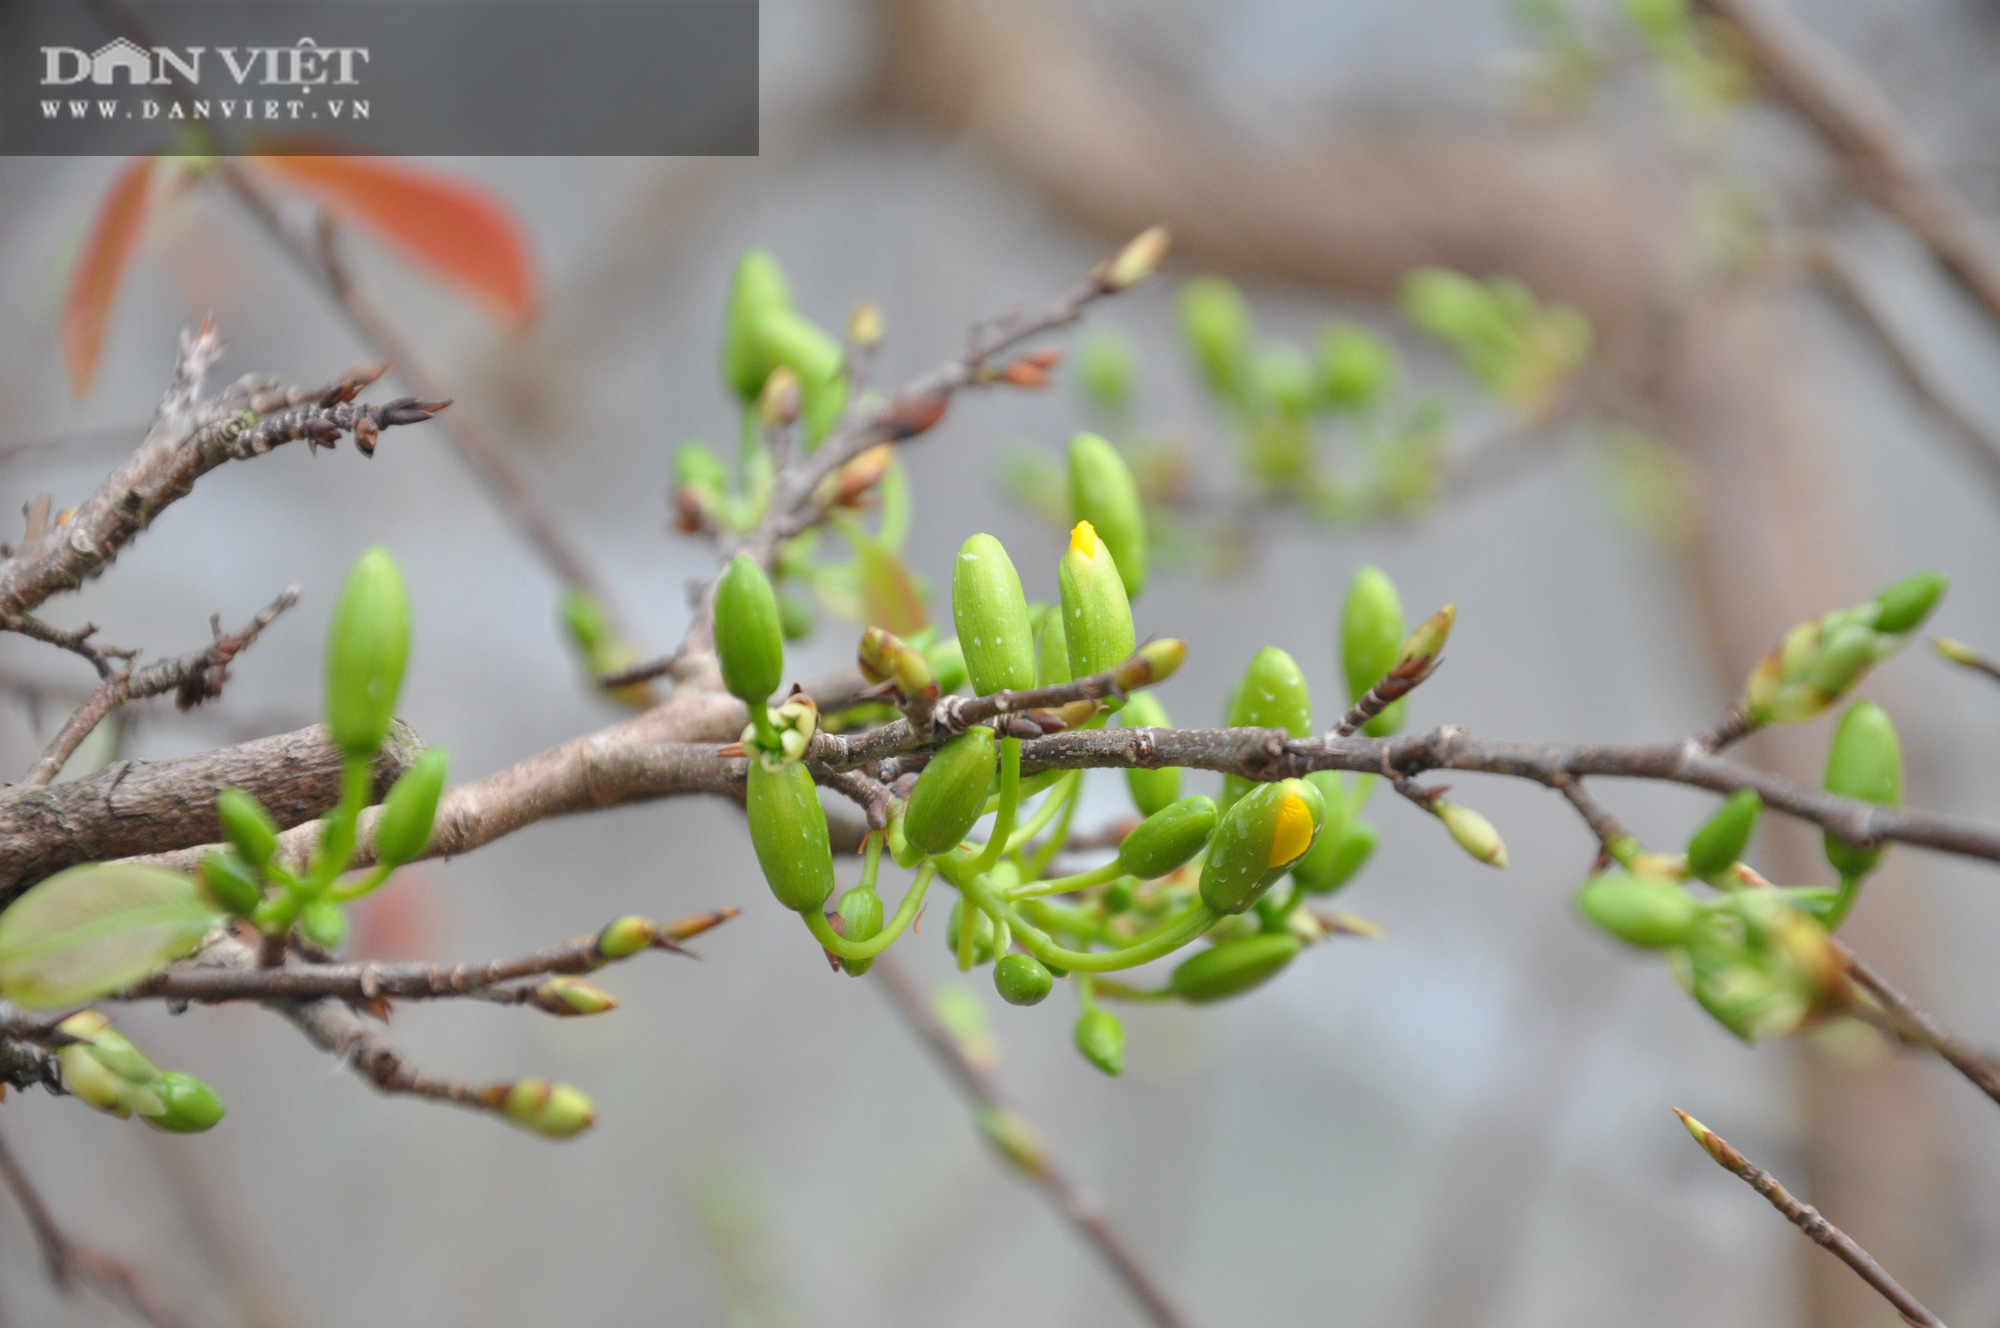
[(864, 325), (1083, 540), (567, 996), (1956, 651), (1427, 642), (1474, 833), (1293, 833), (1139, 259), (626, 937), (779, 402), (1712, 1143), (556, 1111), (1154, 662)]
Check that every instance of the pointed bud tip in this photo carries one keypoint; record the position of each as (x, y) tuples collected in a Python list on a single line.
[(1139, 259), (1958, 652)]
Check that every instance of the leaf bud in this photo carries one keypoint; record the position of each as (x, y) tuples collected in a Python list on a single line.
[(860, 915), (247, 826), (366, 648), (696, 466), (1356, 366), (788, 831), (1864, 762), (1234, 966), (1720, 842), (1096, 616), (403, 830), (1014, 1136), (1905, 605), (229, 884), (1022, 979), (1272, 695), (626, 937), (1154, 662), (779, 401), (748, 636), (1139, 259), (950, 794), (1262, 834), (1472, 832), (1427, 642), (991, 616), (1168, 838), (1649, 914), (1102, 492), (178, 1103), (982, 932), (556, 1111), (864, 325), (1151, 790), (1101, 1039), (860, 476), (1371, 641), (566, 997), (1956, 651)]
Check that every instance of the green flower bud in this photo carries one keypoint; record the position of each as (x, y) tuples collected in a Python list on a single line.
[(1473, 832), (179, 1103), (697, 466), (788, 830), (1117, 897), (1865, 762), (1152, 790), (1101, 1039), (1272, 695), (795, 617), (1097, 618), (87, 1079), (1216, 325), (1356, 366), (1285, 378), (758, 296), (108, 1047), (991, 615), (365, 651), (1720, 842), (1905, 605), (748, 637), (1022, 979), (404, 829), (1101, 491), (1051, 650), (982, 933), (1231, 967), (324, 923), (1371, 642), (626, 937), (860, 920), (950, 794), (247, 826), (1106, 366), (1168, 838), (554, 1110), (1846, 655), (1265, 832), (229, 884), (1649, 914), (1334, 860), (567, 997)]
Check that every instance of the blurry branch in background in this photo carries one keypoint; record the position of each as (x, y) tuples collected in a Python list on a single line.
[(1807, 1219), (72, 1264), (1857, 121), (1020, 1144)]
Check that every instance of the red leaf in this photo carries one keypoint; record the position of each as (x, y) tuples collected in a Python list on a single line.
[(456, 229), (889, 594), (100, 266)]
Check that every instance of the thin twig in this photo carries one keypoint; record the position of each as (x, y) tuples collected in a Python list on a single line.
[(71, 1263), (1807, 1219), (1078, 1205), (193, 677)]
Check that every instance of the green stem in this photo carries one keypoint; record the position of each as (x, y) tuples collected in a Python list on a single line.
[(368, 883), (1164, 940), (1072, 798), (1003, 818), (1063, 885), (1056, 801), (906, 912), (1118, 991), (1850, 891), (336, 841)]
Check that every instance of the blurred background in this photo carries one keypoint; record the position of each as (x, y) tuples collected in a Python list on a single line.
[(1465, 1122)]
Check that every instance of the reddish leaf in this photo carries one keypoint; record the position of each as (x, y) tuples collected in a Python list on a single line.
[(889, 594), (100, 266), (456, 229)]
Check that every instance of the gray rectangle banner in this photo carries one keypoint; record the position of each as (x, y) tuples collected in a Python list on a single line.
[(380, 77)]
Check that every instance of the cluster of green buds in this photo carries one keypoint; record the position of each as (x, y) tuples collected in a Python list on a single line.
[(1521, 348), (1193, 871), (1821, 660), (366, 649), (100, 1066), (1759, 959)]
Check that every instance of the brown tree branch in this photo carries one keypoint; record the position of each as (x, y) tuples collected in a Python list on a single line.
[(1020, 1143), (1807, 1219), (195, 677)]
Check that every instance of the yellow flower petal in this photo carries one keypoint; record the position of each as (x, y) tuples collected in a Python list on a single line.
[(1293, 833), (1083, 540)]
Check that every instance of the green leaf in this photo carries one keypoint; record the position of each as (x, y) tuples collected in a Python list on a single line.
[(96, 929), (891, 598)]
